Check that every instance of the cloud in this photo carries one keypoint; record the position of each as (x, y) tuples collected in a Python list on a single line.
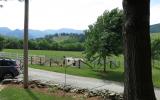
[(155, 16), (55, 14)]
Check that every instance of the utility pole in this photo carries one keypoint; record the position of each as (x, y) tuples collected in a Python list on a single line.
[(25, 44)]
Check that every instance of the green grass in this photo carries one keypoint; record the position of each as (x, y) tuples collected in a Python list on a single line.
[(15, 93), (155, 36), (111, 74), (48, 53)]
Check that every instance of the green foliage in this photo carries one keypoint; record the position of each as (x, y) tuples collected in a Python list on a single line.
[(155, 47), (1, 43), (104, 38), (13, 43), (67, 42)]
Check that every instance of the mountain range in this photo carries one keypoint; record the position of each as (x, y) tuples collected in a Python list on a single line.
[(5, 31), (155, 28), (38, 33)]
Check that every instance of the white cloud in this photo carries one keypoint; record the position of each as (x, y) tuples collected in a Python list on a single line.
[(155, 15)]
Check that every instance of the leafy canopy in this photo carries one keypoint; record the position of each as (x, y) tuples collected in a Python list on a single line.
[(104, 37), (155, 47)]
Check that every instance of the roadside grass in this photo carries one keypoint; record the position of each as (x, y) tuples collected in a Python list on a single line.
[(115, 74), (16, 93)]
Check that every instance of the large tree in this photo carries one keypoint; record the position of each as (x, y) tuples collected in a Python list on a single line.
[(138, 72), (104, 38)]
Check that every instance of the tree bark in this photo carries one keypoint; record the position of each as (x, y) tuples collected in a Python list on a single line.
[(26, 15), (138, 73)]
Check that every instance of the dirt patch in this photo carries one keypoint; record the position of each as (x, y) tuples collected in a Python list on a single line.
[(2, 87)]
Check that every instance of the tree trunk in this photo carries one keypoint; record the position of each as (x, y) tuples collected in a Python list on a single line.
[(104, 63), (138, 75), (26, 44)]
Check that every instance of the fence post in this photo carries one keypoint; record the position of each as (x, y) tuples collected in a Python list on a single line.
[(79, 65), (40, 60), (20, 62), (50, 62), (31, 60), (110, 64)]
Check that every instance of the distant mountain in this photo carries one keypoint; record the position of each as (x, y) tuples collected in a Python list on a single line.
[(4, 30), (15, 33), (69, 30), (155, 28), (63, 30), (35, 33)]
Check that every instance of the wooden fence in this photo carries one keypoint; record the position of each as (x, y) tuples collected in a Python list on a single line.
[(33, 59)]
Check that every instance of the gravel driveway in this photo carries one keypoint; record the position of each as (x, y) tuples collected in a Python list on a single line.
[(76, 81)]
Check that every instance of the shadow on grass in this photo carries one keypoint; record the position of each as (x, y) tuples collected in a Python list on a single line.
[(111, 76), (31, 94), (157, 68)]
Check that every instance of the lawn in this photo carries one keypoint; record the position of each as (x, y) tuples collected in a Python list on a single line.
[(17, 93), (48, 53), (155, 36)]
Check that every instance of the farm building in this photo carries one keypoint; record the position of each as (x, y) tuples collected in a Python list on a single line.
[(74, 62)]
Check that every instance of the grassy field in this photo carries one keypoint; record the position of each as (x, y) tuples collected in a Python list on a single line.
[(115, 74), (155, 36), (48, 53), (15, 93)]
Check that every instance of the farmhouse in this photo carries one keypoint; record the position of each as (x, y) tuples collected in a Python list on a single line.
[(74, 62)]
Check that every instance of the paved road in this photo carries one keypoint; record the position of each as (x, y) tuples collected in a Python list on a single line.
[(76, 81)]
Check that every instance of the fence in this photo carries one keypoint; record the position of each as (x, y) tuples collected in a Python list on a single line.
[(33, 59), (51, 61)]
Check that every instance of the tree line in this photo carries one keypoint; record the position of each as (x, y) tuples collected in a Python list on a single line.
[(58, 41)]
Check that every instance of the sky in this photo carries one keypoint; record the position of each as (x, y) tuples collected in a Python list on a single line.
[(56, 14)]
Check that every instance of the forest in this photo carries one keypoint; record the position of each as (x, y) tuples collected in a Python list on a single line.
[(58, 41)]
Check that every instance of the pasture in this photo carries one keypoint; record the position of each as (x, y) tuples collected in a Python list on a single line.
[(155, 36), (48, 53)]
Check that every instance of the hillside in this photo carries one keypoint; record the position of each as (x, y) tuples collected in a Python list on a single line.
[(155, 28), (35, 33)]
